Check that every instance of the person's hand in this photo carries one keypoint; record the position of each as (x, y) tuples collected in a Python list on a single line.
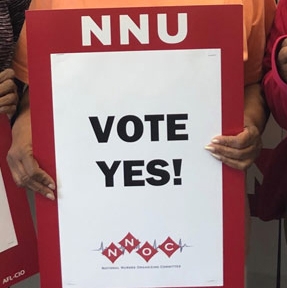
[(8, 93), (282, 61), (24, 167), (238, 151)]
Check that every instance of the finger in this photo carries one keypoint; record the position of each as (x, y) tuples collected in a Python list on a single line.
[(282, 63), (239, 142), (234, 163), (250, 136), (284, 43), (29, 183), (9, 110), (40, 176), (9, 99), (7, 74), (282, 55), (236, 158), (7, 86), (39, 188), (230, 152)]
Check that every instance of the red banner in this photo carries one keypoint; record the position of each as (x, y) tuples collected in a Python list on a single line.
[(18, 244)]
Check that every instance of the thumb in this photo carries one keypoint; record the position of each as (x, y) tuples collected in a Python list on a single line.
[(284, 43)]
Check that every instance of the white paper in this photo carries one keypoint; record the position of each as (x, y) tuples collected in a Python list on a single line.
[(8, 237), (91, 215)]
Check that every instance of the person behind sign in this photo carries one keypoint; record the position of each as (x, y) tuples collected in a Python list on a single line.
[(235, 151), (275, 88), (275, 65), (11, 20)]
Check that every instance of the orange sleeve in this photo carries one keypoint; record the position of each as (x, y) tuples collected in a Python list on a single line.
[(20, 61), (20, 64), (258, 17)]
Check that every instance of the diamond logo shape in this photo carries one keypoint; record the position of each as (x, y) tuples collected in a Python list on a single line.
[(112, 252), (147, 251), (129, 242), (169, 247)]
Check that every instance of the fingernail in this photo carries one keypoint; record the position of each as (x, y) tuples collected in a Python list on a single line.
[(50, 196), (52, 186), (209, 148), (216, 156), (215, 141)]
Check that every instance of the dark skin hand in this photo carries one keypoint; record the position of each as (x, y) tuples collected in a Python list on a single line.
[(282, 60), (25, 169), (241, 150), (8, 93)]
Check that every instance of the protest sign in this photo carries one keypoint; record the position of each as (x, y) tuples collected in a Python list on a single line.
[(129, 98), (18, 244)]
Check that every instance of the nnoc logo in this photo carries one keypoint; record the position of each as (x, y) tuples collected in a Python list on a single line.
[(13, 277), (129, 243)]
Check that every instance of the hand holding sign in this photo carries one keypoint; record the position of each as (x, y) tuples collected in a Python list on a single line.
[(241, 150), (237, 151), (24, 167), (8, 93)]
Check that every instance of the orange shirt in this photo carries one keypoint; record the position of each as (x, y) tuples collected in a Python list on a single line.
[(258, 17)]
